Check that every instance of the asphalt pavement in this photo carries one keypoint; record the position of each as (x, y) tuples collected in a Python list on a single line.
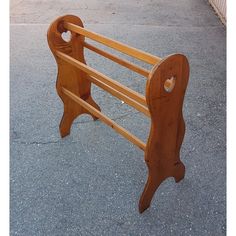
[(89, 183)]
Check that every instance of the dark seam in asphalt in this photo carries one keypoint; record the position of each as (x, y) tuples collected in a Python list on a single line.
[(135, 25), (59, 140)]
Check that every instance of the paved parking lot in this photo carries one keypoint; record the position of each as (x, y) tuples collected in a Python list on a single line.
[(89, 183)]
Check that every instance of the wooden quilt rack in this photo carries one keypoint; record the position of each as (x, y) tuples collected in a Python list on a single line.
[(165, 89)]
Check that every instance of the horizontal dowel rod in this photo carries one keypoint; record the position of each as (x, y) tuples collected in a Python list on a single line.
[(132, 138), (105, 79), (120, 95), (118, 60), (143, 56)]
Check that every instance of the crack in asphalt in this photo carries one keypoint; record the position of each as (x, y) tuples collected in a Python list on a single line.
[(59, 140)]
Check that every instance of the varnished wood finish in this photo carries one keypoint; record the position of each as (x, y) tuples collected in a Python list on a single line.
[(136, 53), (105, 79), (118, 60), (121, 96), (167, 124), (69, 76), (163, 101), (106, 120)]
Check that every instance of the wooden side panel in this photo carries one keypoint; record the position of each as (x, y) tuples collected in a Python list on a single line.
[(165, 92), (69, 76)]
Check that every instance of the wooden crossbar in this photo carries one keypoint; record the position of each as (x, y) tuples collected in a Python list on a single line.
[(103, 78), (163, 101), (136, 53), (118, 60), (121, 96), (132, 138)]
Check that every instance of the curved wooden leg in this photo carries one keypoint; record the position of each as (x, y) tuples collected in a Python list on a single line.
[(153, 182), (94, 104), (156, 175), (66, 122), (179, 171), (71, 112)]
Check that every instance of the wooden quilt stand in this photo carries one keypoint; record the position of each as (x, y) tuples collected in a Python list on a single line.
[(165, 89)]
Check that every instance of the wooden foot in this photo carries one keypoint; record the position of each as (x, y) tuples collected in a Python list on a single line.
[(153, 182), (71, 113), (155, 177), (179, 171), (66, 122)]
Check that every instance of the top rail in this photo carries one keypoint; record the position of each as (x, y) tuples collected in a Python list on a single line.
[(118, 60), (143, 56)]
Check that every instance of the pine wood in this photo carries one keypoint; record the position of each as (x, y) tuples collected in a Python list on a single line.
[(165, 89), (106, 120), (167, 124), (121, 96), (118, 90), (103, 78), (118, 60), (136, 53), (69, 76)]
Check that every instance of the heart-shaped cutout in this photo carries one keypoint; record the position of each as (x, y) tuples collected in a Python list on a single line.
[(66, 36), (169, 84)]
